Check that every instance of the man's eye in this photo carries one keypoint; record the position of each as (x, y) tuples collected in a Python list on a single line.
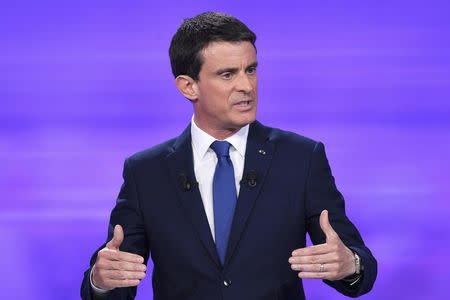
[(251, 70), (226, 75)]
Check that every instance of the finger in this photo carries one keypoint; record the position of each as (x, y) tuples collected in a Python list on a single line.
[(326, 226), (126, 266), (121, 256), (313, 259), (111, 284), (312, 250), (122, 275), (120, 265), (315, 267), (117, 239), (314, 275)]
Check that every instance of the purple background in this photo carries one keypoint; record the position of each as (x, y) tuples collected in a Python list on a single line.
[(84, 84)]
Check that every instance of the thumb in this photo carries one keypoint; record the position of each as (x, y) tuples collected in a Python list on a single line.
[(326, 226), (117, 239)]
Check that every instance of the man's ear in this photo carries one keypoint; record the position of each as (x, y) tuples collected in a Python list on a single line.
[(187, 86)]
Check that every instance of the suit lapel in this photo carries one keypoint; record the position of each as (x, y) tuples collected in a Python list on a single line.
[(180, 163), (258, 156)]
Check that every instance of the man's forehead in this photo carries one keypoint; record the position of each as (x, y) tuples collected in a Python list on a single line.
[(224, 53)]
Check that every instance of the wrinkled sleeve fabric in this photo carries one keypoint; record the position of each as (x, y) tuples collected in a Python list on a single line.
[(322, 193), (127, 213)]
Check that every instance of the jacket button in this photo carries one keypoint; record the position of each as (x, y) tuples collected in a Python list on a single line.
[(227, 282)]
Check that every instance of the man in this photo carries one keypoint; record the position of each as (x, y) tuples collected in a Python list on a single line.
[(225, 207)]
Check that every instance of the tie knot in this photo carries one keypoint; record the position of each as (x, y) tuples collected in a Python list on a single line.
[(221, 148)]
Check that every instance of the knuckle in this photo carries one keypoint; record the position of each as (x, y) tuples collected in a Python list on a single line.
[(116, 274), (103, 253), (121, 265), (113, 255), (136, 267), (127, 275), (124, 275), (100, 264)]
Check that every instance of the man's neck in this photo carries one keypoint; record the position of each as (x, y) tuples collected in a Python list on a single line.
[(219, 134)]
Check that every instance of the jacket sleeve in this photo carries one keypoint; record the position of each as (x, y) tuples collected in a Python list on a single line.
[(127, 213), (321, 193)]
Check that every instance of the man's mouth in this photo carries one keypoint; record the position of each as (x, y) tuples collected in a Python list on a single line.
[(244, 103)]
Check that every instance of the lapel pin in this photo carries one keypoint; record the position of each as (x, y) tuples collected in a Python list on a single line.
[(262, 152)]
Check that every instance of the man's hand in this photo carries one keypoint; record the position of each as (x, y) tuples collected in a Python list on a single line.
[(114, 268), (331, 261)]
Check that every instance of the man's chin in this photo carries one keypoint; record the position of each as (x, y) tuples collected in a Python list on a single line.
[(250, 119), (243, 122)]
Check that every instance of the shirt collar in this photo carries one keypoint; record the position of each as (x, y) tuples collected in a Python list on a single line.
[(202, 140)]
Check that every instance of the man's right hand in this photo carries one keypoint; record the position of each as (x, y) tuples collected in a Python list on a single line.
[(114, 268)]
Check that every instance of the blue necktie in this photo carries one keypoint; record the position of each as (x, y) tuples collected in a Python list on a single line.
[(224, 196)]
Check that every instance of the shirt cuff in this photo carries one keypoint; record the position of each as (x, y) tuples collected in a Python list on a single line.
[(96, 290), (352, 279)]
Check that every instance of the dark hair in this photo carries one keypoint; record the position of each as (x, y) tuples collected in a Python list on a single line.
[(196, 33)]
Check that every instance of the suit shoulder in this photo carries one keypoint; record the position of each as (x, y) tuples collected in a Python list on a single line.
[(291, 139), (153, 154)]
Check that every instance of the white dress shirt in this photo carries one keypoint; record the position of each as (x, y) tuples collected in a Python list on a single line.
[(205, 161)]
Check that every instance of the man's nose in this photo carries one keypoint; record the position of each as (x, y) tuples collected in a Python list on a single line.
[(244, 83)]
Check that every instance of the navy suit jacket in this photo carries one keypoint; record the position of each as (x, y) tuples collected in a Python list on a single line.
[(160, 208)]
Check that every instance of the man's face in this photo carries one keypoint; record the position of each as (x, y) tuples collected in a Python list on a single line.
[(227, 87)]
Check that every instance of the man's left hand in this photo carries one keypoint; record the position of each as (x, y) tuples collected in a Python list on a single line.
[(331, 261)]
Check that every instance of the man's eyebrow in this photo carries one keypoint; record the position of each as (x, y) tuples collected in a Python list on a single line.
[(235, 70), (226, 70), (252, 65)]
